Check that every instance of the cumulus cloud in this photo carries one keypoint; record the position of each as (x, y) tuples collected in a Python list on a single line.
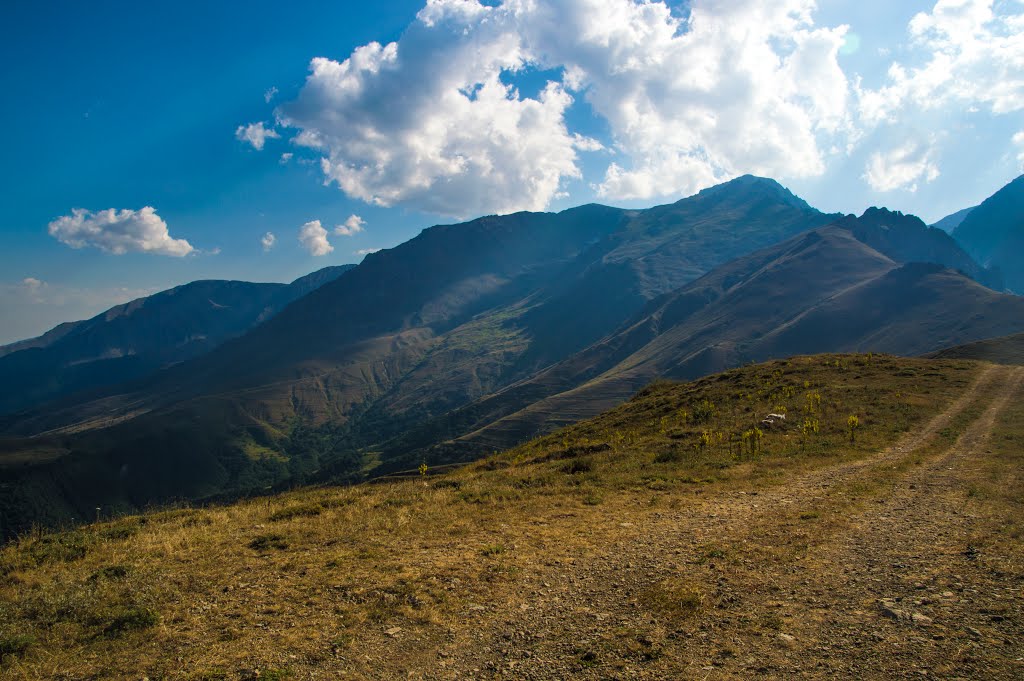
[(429, 121), (367, 251), (269, 94), (267, 241), (255, 134), (118, 232), (901, 168), (313, 238), (352, 226), (964, 54), (688, 99), (743, 86), (1018, 141), (285, 157), (32, 284)]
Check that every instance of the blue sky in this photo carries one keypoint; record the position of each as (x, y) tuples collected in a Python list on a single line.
[(419, 114)]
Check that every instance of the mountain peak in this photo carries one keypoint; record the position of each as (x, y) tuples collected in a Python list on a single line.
[(751, 188), (885, 217)]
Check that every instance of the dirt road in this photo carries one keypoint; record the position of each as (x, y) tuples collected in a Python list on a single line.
[(869, 569)]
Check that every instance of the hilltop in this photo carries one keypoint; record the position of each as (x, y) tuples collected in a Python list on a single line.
[(675, 536)]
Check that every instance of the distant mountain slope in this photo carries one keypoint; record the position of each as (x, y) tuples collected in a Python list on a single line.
[(906, 239), (1001, 350), (951, 222), (993, 233), (136, 338), (823, 291), (48, 338)]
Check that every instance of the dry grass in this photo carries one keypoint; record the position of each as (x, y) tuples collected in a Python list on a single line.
[(311, 580)]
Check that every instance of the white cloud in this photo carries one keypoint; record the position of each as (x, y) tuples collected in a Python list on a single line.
[(428, 122), (1018, 141), (901, 168), (255, 134), (352, 226), (313, 238), (32, 284), (118, 232), (963, 56), (367, 251), (742, 86), (687, 99), (285, 157), (267, 241), (269, 94)]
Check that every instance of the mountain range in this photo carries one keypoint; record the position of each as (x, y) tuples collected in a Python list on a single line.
[(135, 339), (474, 337)]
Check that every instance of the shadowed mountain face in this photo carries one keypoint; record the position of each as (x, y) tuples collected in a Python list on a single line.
[(477, 335), (131, 340), (951, 222), (905, 238), (993, 233), (824, 290)]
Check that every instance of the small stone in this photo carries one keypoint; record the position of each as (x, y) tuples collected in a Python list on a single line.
[(393, 632), (787, 640), (889, 609), (921, 620)]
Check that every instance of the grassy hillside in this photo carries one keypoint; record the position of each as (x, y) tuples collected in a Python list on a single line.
[(661, 538), (1001, 350)]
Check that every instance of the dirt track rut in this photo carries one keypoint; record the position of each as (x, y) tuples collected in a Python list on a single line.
[(861, 570)]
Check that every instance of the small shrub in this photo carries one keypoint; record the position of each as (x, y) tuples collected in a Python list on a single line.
[(265, 542), (15, 645), (447, 484), (704, 411), (298, 511), (668, 456), (492, 550), (130, 619), (853, 423), (110, 572), (120, 530), (577, 466), (64, 547)]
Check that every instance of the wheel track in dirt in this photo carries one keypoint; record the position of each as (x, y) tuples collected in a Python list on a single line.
[(569, 610)]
